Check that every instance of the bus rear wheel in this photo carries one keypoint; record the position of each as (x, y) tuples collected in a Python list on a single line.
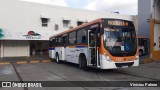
[(82, 62)]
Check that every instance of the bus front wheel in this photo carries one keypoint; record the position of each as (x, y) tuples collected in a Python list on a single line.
[(82, 62)]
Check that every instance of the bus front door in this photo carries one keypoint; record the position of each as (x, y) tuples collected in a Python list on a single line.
[(92, 46)]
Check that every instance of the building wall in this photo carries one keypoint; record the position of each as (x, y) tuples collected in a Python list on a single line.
[(144, 15), (156, 16), (11, 48), (156, 9), (150, 9), (18, 18), (146, 12), (26, 16)]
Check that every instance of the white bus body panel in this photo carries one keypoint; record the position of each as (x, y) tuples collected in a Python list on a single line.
[(52, 53), (59, 51), (72, 54)]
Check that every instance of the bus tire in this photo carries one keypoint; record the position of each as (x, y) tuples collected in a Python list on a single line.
[(82, 62), (57, 58)]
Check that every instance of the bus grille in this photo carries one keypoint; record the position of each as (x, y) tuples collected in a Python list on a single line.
[(124, 64)]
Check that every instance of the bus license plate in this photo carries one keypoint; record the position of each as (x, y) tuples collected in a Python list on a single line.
[(124, 66)]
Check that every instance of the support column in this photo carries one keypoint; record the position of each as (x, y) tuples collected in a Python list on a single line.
[(155, 40)]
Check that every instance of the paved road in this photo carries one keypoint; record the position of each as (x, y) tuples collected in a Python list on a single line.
[(70, 72)]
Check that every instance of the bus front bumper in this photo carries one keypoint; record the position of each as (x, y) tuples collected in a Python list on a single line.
[(114, 65)]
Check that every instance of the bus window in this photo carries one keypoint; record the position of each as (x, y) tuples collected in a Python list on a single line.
[(64, 40), (72, 38), (59, 41), (52, 42), (81, 36)]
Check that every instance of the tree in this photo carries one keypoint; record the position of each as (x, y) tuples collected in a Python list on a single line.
[(1, 33)]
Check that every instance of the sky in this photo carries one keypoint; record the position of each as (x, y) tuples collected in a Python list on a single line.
[(129, 7)]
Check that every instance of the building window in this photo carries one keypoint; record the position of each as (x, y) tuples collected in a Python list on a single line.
[(56, 27), (44, 22), (66, 23)]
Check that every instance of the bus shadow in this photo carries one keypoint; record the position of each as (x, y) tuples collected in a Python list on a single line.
[(89, 69)]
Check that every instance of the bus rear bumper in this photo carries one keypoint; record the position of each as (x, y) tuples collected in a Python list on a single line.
[(114, 65)]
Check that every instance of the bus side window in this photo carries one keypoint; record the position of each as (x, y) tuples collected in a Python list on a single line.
[(84, 39), (81, 36), (59, 41), (64, 41), (53, 42), (72, 38), (50, 43)]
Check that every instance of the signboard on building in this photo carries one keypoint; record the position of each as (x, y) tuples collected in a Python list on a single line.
[(24, 35)]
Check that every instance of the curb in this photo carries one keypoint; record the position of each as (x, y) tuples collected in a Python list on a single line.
[(149, 60), (4, 63), (26, 62)]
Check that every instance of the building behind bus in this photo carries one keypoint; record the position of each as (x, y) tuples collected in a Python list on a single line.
[(25, 27)]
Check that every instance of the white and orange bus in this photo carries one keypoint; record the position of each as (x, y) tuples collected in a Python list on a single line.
[(103, 43), (143, 45)]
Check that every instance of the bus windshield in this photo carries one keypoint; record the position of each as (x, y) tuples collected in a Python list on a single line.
[(120, 40)]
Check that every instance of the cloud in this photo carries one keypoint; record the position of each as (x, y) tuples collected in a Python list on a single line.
[(122, 6), (52, 2)]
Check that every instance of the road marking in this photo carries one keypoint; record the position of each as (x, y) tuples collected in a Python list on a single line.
[(34, 61), (25, 62), (22, 62), (46, 61), (149, 60)]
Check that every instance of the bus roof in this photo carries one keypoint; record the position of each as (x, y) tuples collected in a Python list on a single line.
[(78, 27), (81, 26)]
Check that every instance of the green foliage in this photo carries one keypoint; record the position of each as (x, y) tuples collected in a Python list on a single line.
[(1, 33)]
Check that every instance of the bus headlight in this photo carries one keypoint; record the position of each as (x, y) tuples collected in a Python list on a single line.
[(107, 58)]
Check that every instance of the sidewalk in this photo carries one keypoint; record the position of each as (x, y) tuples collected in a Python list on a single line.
[(143, 58), (28, 59)]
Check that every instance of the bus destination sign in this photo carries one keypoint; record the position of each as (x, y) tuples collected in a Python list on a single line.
[(117, 23)]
